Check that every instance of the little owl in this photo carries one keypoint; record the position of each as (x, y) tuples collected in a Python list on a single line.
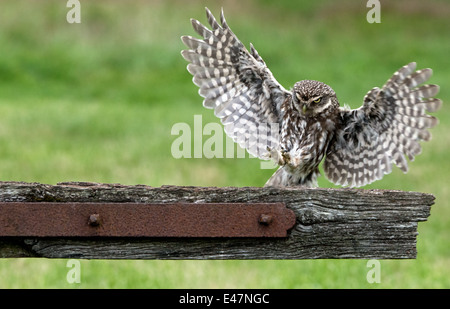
[(301, 127)]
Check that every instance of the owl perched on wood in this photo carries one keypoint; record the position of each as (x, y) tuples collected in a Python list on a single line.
[(301, 127)]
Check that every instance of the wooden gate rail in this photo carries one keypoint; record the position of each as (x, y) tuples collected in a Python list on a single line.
[(329, 223)]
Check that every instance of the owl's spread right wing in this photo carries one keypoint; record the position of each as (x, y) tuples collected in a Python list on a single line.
[(237, 84), (388, 126)]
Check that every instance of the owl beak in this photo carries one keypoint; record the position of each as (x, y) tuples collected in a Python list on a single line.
[(304, 109)]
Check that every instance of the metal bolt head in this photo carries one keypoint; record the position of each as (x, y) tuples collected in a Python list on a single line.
[(94, 220), (265, 219)]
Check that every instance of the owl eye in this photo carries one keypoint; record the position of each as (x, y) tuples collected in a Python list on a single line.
[(317, 100)]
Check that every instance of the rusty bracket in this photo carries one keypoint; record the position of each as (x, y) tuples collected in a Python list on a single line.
[(43, 219)]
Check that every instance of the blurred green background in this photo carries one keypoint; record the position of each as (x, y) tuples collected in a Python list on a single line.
[(96, 102)]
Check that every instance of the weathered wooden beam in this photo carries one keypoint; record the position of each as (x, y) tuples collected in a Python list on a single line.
[(330, 223)]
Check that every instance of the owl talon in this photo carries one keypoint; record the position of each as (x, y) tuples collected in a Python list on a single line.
[(278, 156), (286, 156)]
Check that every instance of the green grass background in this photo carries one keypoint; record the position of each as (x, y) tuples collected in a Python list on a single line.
[(96, 102)]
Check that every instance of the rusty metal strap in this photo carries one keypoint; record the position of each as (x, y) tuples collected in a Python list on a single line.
[(145, 220)]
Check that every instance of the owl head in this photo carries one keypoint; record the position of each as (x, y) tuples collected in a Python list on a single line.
[(311, 97)]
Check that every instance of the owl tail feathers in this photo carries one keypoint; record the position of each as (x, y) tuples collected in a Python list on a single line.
[(277, 179), (286, 178)]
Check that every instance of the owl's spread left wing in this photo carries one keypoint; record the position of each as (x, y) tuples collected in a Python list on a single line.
[(237, 84), (388, 126)]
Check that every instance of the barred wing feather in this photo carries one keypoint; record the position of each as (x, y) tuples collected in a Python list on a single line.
[(237, 84), (386, 128)]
